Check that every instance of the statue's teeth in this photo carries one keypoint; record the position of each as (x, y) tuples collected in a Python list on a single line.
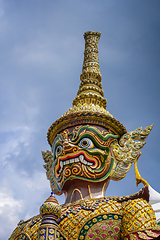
[(71, 160), (89, 163), (76, 160), (81, 158), (85, 162)]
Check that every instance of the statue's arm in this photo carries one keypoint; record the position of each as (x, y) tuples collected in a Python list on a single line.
[(139, 221)]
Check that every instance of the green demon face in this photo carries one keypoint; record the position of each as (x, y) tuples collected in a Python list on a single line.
[(92, 153), (82, 152)]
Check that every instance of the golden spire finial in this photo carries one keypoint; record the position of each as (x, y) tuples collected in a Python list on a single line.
[(90, 90), (91, 60)]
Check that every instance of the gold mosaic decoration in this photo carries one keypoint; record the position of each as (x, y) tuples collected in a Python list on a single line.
[(76, 216), (27, 230), (138, 216), (114, 218), (84, 219)]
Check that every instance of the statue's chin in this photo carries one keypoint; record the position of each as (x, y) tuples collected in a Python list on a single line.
[(80, 176), (77, 189)]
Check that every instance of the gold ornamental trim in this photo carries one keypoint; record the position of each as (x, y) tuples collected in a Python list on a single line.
[(84, 117)]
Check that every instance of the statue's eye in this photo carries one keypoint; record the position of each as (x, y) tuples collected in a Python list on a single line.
[(58, 150), (86, 143)]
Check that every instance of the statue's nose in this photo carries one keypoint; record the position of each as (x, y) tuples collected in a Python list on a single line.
[(69, 148)]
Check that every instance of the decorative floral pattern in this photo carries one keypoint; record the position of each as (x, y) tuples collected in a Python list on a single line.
[(108, 229)]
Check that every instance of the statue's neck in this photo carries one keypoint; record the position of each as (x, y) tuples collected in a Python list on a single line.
[(79, 190)]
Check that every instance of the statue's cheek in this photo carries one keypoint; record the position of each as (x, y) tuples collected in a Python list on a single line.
[(102, 158)]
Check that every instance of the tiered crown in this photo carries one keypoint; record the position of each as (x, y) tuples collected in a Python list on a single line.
[(89, 106)]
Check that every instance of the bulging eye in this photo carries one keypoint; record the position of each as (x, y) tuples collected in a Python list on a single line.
[(86, 143), (58, 150)]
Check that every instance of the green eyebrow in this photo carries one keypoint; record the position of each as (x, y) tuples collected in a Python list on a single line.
[(77, 137)]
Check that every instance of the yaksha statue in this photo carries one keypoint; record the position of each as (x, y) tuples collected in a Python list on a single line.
[(89, 147)]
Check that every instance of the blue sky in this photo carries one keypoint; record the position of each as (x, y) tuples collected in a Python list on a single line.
[(41, 46)]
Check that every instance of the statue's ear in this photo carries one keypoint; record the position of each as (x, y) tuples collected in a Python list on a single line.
[(127, 151), (48, 159)]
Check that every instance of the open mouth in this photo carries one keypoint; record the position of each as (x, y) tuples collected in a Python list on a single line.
[(74, 159)]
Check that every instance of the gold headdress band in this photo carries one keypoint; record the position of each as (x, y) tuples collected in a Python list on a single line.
[(89, 106)]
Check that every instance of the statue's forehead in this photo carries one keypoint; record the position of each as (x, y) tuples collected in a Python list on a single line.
[(90, 128)]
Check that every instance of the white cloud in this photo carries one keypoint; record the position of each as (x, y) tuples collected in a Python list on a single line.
[(20, 197), (10, 210), (7, 201), (12, 146), (37, 182)]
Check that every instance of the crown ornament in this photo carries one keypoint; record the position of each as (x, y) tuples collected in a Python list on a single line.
[(89, 106)]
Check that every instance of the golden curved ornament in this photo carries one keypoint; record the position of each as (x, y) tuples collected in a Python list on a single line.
[(138, 177)]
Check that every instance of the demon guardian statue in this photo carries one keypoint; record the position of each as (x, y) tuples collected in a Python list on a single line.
[(89, 147)]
